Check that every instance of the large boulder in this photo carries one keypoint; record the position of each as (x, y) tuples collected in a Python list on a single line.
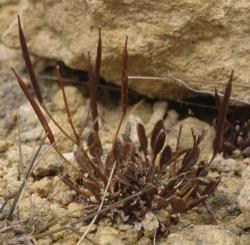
[(197, 41)]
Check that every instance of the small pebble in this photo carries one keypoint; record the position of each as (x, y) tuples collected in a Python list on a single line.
[(3, 145), (150, 224)]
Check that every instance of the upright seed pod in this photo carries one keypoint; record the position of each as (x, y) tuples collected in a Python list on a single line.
[(124, 81), (28, 63)]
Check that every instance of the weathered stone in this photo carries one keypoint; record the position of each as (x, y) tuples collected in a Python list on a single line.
[(243, 221), (197, 125), (27, 117), (107, 236), (150, 224), (11, 98), (244, 239), (3, 145), (225, 166), (226, 198), (144, 241), (196, 41), (51, 164), (62, 193), (244, 199), (202, 234), (164, 217), (42, 187), (9, 178), (159, 111)]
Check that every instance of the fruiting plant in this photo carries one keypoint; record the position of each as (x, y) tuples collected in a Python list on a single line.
[(151, 176)]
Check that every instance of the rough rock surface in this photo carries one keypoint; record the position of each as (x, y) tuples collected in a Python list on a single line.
[(11, 97), (244, 200), (189, 123), (203, 234), (197, 41)]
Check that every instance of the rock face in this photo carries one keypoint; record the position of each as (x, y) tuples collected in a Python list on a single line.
[(199, 42)]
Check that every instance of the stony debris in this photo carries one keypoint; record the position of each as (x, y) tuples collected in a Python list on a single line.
[(9, 178), (108, 236), (51, 163), (4, 144), (150, 224), (42, 187), (163, 217), (159, 111), (243, 221), (244, 200), (225, 200), (202, 234), (144, 241), (244, 239), (11, 98), (171, 119), (227, 167), (12, 154), (186, 139), (27, 117), (75, 210), (128, 234), (33, 134), (74, 98), (61, 192), (31, 204)]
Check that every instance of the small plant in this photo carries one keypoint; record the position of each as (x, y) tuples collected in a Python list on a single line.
[(150, 176)]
